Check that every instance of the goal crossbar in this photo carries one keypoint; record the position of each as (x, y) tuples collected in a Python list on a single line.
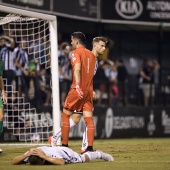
[(28, 13)]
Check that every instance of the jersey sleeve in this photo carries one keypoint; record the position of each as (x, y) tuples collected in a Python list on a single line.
[(1, 67), (74, 58)]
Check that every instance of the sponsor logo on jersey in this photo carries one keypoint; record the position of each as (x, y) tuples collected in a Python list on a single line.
[(73, 58)]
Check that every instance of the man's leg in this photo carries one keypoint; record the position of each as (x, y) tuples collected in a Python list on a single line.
[(84, 141), (65, 128), (53, 139), (89, 156), (73, 121), (76, 119), (90, 129)]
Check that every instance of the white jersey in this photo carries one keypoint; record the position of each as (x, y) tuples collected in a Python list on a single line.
[(65, 153)]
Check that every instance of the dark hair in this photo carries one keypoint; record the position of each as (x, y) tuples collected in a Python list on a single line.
[(101, 38), (80, 36), (36, 160)]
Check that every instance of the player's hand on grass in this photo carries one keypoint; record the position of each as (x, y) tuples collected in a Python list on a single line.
[(79, 91)]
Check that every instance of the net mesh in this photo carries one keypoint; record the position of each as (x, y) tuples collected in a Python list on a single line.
[(20, 118), (36, 33)]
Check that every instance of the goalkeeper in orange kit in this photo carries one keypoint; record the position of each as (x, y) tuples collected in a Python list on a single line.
[(84, 69)]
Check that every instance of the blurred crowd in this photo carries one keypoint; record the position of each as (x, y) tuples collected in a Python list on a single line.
[(24, 70), (114, 84)]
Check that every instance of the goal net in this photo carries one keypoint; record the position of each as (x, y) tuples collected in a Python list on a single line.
[(25, 118)]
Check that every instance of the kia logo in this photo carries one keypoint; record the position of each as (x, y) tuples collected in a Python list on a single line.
[(129, 9)]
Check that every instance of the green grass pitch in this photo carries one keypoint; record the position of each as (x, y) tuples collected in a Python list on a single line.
[(129, 154)]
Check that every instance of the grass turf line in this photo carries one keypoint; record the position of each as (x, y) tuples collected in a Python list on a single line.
[(129, 154)]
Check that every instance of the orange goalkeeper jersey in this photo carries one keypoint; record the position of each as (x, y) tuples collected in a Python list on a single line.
[(88, 64)]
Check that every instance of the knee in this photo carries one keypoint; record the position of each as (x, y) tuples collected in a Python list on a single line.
[(65, 116)]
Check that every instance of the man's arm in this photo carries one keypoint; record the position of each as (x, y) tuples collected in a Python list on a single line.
[(55, 161), (77, 70), (20, 159), (4, 98), (142, 74), (24, 70)]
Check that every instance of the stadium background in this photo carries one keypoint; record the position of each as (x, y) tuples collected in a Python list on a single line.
[(137, 38)]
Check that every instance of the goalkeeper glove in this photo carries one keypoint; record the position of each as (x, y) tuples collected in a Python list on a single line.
[(78, 89)]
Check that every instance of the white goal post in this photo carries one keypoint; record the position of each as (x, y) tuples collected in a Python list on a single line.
[(54, 56)]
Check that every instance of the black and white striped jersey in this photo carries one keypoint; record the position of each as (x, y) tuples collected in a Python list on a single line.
[(6, 55), (22, 56), (65, 66)]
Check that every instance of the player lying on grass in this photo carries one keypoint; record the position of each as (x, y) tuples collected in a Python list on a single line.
[(58, 156)]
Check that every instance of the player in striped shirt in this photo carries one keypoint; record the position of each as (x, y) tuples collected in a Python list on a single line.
[(58, 156), (6, 55), (20, 56)]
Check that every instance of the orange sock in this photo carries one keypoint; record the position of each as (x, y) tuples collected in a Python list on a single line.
[(90, 130), (65, 128)]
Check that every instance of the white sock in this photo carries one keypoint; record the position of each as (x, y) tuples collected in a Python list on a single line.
[(84, 141), (72, 123), (58, 134), (93, 155)]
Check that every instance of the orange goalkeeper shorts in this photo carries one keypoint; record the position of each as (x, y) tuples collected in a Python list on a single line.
[(73, 102)]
